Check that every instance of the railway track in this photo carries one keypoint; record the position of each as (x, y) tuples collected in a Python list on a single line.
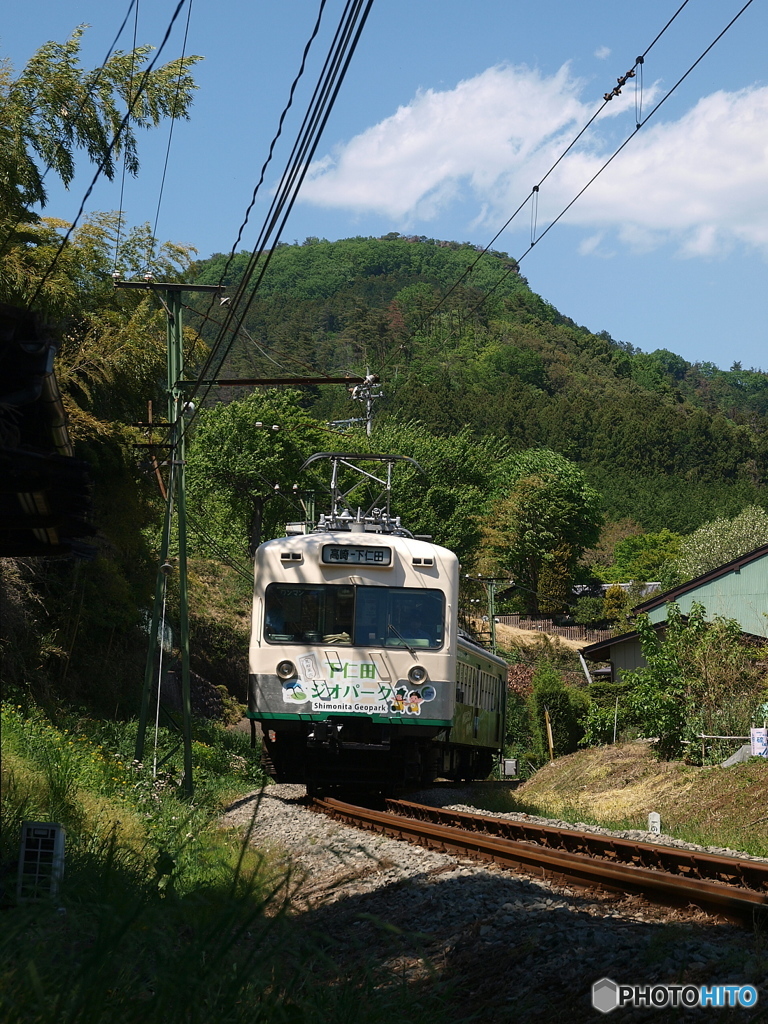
[(728, 887)]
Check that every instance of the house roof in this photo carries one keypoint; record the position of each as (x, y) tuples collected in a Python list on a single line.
[(596, 651), (600, 651), (734, 565)]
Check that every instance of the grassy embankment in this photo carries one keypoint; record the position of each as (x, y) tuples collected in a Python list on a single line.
[(618, 786), (162, 915)]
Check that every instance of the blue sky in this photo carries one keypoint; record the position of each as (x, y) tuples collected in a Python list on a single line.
[(449, 114)]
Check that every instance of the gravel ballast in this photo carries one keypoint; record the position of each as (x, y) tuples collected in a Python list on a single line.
[(517, 948)]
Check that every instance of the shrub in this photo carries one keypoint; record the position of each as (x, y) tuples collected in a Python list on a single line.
[(700, 678), (589, 611), (567, 709)]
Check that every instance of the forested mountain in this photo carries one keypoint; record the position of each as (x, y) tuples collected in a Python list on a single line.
[(460, 341)]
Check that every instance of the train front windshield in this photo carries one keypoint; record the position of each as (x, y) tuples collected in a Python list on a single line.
[(363, 616)]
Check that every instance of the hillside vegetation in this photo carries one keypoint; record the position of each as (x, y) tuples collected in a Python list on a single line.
[(669, 443)]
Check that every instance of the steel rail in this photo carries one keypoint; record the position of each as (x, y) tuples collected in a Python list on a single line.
[(745, 874), (742, 906)]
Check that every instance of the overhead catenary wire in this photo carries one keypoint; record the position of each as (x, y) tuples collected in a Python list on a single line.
[(225, 327), (218, 550), (616, 152), (534, 193), (281, 211), (242, 330), (280, 195), (275, 139)]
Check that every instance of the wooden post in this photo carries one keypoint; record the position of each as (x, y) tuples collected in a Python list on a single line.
[(549, 735)]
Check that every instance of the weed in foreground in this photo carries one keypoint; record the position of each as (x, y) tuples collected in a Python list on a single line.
[(162, 916)]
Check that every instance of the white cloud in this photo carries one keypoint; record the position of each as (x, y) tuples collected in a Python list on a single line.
[(413, 163), (700, 182), (593, 246), (603, 52)]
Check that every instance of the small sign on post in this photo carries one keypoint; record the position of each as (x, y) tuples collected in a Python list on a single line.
[(654, 823)]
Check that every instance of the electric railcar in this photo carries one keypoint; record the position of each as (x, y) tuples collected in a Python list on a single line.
[(359, 674)]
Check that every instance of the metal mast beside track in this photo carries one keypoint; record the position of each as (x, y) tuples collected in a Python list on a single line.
[(170, 297)]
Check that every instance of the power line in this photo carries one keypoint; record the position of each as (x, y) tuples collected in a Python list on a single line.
[(298, 162), (533, 194), (326, 91), (616, 152), (265, 165), (276, 137), (242, 330), (218, 550)]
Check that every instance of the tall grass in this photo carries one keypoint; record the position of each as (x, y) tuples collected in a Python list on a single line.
[(162, 917)]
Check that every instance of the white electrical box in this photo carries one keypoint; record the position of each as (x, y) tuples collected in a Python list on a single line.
[(41, 860), (509, 766)]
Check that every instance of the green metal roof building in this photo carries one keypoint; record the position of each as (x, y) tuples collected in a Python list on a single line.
[(737, 590)]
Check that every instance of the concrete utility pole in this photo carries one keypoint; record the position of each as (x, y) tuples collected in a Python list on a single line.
[(368, 392), (490, 584), (170, 296)]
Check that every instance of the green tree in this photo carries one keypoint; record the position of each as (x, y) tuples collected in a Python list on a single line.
[(615, 604), (234, 467), (547, 508), (111, 355), (556, 580), (54, 107), (598, 558), (643, 558), (700, 678), (589, 611), (721, 540), (608, 712), (566, 707), (448, 500)]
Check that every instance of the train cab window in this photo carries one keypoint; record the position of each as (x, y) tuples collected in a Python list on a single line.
[(393, 617), (367, 616), (308, 614)]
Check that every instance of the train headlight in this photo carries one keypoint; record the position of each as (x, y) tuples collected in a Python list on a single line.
[(285, 670), (417, 674)]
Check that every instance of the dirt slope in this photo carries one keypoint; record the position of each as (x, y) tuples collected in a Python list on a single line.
[(622, 784), (511, 636)]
